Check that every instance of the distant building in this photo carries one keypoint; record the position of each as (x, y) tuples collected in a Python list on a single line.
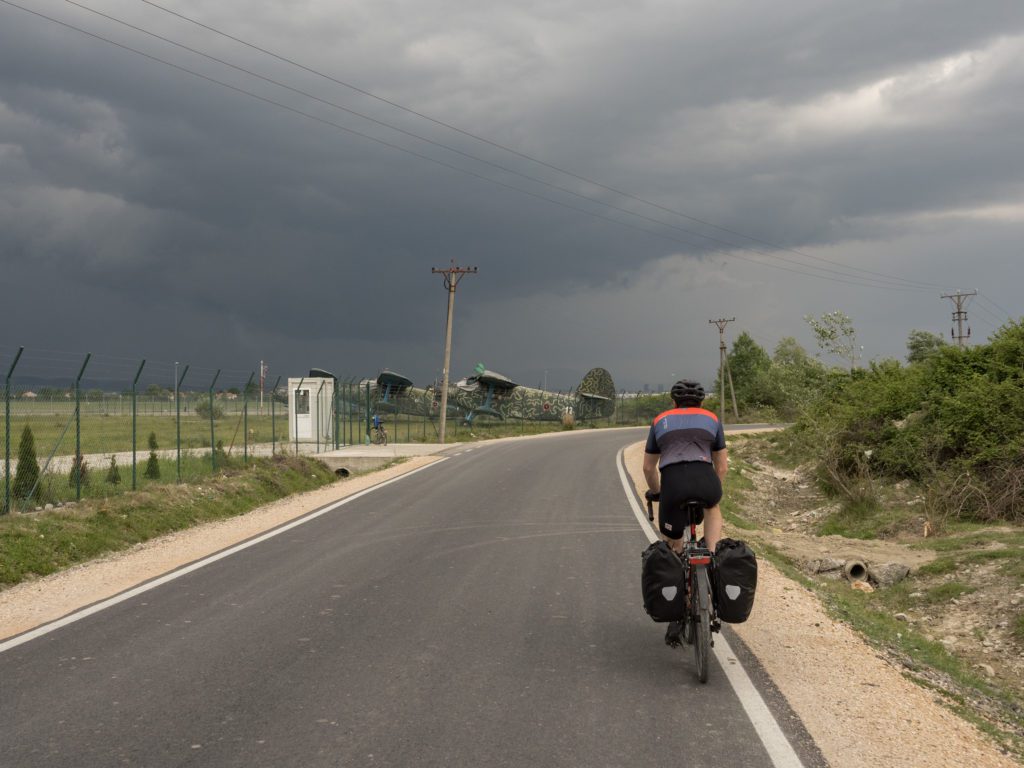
[(29, 395)]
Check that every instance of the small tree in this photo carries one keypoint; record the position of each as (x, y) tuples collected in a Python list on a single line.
[(113, 473), (835, 334), (923, 344), (203, 410), (79, 471), (153, 465), (26, 476)]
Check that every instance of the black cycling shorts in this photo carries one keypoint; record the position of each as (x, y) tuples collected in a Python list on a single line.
[(680, 483)]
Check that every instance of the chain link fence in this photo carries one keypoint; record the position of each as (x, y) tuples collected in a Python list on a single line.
[(85, 426)]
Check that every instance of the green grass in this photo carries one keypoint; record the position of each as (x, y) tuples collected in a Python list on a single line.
[(46, 542), (939, 566), (942, 593), (113, 434), (865, 520)]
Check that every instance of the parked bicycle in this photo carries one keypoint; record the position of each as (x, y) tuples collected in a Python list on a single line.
[(380, 435), (700, 620)]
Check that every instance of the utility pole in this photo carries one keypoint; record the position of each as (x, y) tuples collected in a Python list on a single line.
[(960, 315), (452, 276), (723, 368)]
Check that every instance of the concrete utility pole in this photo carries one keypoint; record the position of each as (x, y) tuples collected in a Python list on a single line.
[(452, 276), (723, 368), (960, 314)]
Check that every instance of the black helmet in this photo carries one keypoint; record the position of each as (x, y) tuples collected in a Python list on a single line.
[(687, 391)]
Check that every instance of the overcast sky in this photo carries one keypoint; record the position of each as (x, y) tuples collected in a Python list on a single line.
[(795, 158)]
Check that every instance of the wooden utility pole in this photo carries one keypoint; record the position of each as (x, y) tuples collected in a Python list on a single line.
[(723, 368), (960, 315), (452, 276)]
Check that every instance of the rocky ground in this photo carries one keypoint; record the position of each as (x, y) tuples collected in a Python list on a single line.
[(963, 589)]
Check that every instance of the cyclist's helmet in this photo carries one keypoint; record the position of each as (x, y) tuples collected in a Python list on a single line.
[(687, 392)]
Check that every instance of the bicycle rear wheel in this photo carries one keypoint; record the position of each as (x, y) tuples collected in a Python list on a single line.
[(702, 622)]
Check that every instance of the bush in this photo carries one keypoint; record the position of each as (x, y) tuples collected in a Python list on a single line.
[(203, 409), (153, 464), (79, 474), (26, 476), (113, 473), (953, 421)]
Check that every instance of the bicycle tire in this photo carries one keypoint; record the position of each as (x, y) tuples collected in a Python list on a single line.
[(688, 621), (702, 623), (383, 437)]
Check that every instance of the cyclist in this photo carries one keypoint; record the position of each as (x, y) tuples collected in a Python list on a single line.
[(685, 458), (378, 426)]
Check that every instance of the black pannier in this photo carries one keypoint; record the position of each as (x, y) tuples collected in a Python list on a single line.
[(735, 580), (662, 581)]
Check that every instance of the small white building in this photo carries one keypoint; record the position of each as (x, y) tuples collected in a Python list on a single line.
[(311, 408)]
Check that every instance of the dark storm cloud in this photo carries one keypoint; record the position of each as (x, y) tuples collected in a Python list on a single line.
[(145, 211)]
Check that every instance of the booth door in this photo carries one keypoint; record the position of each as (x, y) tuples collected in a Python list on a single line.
[(303, 418)]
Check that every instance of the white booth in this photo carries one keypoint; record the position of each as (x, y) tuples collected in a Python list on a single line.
[(311, 408)]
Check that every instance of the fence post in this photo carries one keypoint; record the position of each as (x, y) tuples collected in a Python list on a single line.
[(245, 418), (213, 447), (367, 411), (337, 413), (135, 382), (295, 413), (77, 465), (7, 432), (177, 418), (273, 419)]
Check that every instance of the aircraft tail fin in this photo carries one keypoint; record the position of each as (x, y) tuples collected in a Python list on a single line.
[(596, 394)]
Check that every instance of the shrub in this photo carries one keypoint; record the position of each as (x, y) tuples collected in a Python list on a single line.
[(953, 421), (153, 464), (26, 476), (113, 473), (203, 409), (79, 473)]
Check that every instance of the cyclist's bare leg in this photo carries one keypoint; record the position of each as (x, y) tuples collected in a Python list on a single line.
[(675, 544), (712, 526)]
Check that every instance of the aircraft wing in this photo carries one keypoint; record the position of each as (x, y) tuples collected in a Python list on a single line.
[(487, 378)]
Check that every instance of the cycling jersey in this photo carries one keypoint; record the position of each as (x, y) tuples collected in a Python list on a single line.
[(685, 434)]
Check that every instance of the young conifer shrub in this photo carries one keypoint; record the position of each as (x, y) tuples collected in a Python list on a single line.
[(153, 464), (26, 476), (79, 471), (113, 473)]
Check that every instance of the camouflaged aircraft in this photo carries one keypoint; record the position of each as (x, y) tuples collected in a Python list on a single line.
[(490, 395)]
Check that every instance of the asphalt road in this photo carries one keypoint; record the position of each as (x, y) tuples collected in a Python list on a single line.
[(484, 611)]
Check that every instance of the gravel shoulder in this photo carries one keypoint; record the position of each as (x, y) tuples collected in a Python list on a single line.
[(859, 709)]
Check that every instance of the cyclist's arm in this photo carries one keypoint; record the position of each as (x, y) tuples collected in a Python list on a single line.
[(651, 472), (721, 461)]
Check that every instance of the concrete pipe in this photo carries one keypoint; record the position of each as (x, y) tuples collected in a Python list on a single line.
[(342, 472), (855, 570)]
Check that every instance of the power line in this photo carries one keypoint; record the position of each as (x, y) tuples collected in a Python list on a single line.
[(523, 155), (867, 282)]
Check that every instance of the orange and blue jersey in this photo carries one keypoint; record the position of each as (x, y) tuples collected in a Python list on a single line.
[(685, 434)]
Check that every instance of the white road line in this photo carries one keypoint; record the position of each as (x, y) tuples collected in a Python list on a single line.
[(775, 742), (120, 598)]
